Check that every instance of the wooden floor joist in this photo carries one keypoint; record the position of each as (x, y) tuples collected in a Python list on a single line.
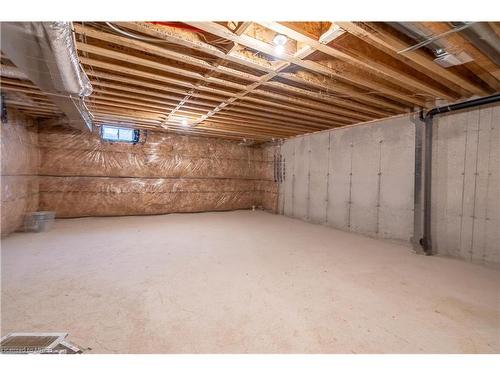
[(267, 48), (387, 42), (402, 79), (229, 80)]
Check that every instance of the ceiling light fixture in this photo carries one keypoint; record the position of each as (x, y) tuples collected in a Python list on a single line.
[(279, 44), (280, 40), (279, 49), (184, 122)]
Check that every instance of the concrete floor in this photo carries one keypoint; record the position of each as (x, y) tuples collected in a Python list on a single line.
[(242, 282)]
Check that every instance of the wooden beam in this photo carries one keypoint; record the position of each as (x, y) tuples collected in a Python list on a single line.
[(401, 78), (240, 29), (126, 58), (324, 96), (160, 51), (325, 84), (320, 112), (458, 43), (359, 109), (268, 49), (306, 52), (156, 86), (192, 41), (166, 33), (263, 80), (156, 77), (390, 44)]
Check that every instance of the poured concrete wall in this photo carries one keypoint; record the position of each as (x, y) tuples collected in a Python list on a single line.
[(357, 178), (360, 179), (466, 185), (20, 159)]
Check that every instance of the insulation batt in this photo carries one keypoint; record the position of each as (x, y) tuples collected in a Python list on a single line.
[(83, 175), (20, 162)]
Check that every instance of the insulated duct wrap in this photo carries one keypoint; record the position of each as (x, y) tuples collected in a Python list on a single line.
[(11, 72), (82, 175), (63, 48), (483, 37), (46, 53)]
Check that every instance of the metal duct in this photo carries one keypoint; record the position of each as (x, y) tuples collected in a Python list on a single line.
[(11, 72), (46, 53), (435, 43), (481, 35), (408, 29)]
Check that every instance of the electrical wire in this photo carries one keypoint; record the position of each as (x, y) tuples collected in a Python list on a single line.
[(159, 40), (135, 36), (128, 34), (139, 37)]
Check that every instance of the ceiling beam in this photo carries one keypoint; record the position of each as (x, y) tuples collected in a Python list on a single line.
[(390, 44), (176, 81), (268, 49), (341, 89), (299, 55), (457, 42), (320, 111)]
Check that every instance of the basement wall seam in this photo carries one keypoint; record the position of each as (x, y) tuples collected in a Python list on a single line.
[(370, 184)]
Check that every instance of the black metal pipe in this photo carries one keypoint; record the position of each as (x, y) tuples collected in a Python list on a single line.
[(417, 186), (468, 104), (426, 240)]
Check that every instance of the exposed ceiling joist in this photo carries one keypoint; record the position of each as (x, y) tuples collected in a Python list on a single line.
[(402, 79), (268, 49), (390, 44), (229, 80)]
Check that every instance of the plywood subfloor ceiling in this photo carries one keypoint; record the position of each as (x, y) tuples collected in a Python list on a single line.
[(226, 79)]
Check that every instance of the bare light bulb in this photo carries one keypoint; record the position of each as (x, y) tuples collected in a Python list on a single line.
[(280, 40), (184, 122), (279, 49)]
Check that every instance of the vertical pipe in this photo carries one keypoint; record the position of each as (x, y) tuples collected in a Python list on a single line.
[(379, 185), (349, 202), (427, 239), (309, 179), (327, 205), (418, 188)]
